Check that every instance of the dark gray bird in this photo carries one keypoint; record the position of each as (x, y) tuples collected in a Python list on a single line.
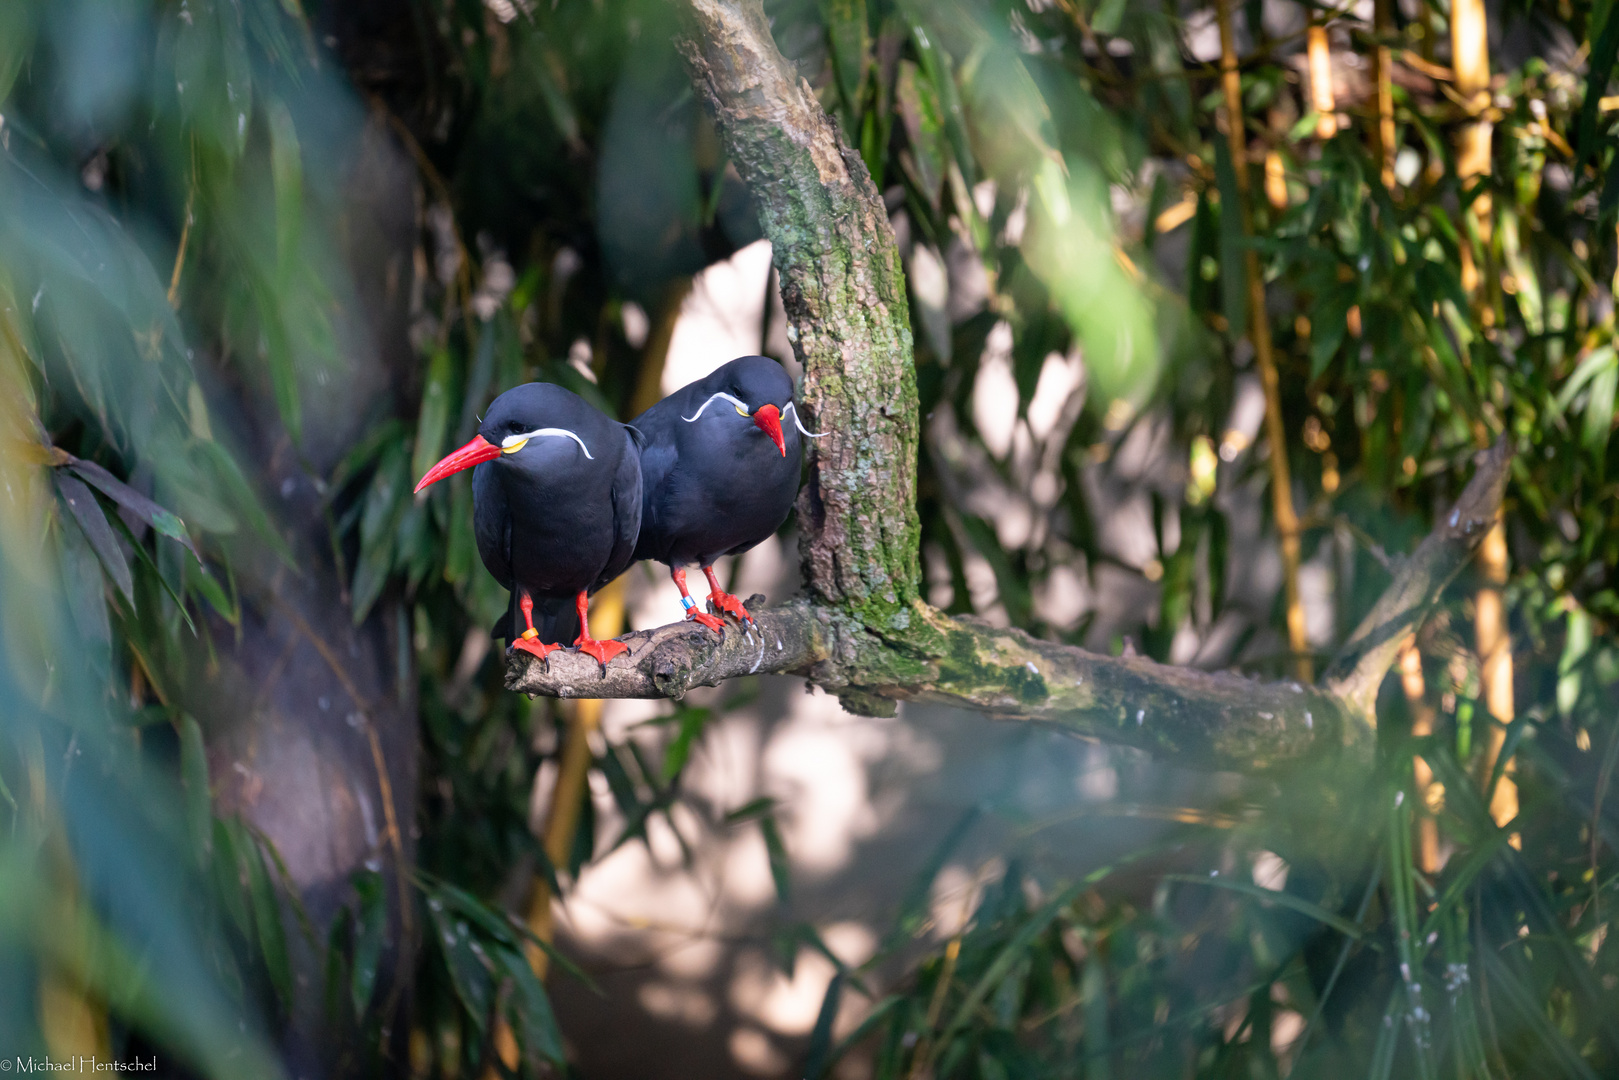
[(556, 506), (719, 472)]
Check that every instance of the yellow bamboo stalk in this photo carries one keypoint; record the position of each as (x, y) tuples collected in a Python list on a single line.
[(1318, 55), (1383, 140), (1495, 669), (1430, 796), (1470, 59), (1275, 180), (1287, 522)]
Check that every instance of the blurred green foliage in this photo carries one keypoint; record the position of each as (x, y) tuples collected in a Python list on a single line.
[(171, 214)]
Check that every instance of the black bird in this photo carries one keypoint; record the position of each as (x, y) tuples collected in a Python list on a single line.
[(719, 473), (556, 505)]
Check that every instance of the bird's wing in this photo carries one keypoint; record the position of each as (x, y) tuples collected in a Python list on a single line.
[(658, 457), (492, 523), (626, 493)]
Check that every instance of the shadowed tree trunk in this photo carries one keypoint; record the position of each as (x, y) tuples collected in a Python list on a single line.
[(311, 720), (861, 630)]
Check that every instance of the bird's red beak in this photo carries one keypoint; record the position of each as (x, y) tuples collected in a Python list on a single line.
[(478, 450), (768, 420)]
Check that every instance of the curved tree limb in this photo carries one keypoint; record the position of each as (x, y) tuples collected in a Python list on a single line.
[(862, 632), (1218, 721)]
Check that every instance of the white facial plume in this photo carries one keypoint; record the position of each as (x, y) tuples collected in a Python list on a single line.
[(513, 443)]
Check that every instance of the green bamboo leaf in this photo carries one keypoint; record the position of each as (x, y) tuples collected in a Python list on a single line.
[(917, 101), (551, 74), (818, 1057), (1009, 955), (385, 504), (371, 924), (1576, 643), (1285, 899), (849, 35), (287, 177), (1109, 13), (133, 501), (202, 582), (468, 967), (750, 810), (271, 935), (692, 720), (1598, 423), (1603, 53), (433, 421), (1595, 361), (530, 1010), (497, 925), (780, 871), (87, 512), (194, 781), (227, 875)]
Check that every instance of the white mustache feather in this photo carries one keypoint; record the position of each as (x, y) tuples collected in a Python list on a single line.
[(722, 394), (512, 440), (743, 406)]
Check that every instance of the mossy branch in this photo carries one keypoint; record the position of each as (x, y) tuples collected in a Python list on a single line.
[(862, 632)]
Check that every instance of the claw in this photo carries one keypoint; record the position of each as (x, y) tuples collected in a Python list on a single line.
[(534, 647), (729, 605), (712, 622), (603, 651)]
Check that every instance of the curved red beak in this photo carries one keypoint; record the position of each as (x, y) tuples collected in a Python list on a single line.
[(478, 450), (768, 419)]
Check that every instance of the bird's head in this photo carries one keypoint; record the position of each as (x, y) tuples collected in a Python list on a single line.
[(527, 426), (757, 388)]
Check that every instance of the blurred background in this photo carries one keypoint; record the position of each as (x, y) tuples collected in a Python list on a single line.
[(1192, 389)]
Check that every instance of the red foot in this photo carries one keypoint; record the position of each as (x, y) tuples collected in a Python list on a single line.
[(534, 646), (603, 651), (721, 601), (730, 605), (712, 622)]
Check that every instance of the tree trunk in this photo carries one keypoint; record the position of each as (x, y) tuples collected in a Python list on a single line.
[(311, 720)]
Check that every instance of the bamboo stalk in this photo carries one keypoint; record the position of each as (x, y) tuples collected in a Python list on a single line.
[(1495, 670), (1287, 522), (1429, 795), (1318, 55), (1383, 65), (1470, 58)]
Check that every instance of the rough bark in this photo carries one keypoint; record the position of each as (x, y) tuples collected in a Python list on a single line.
[(861, 632), (848, 318)]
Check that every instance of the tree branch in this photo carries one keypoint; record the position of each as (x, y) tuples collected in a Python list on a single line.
[(1217, 721), (863, 633), (1371, 650)]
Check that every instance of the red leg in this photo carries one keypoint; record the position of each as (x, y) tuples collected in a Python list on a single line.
[(603, 651), (715, 624), (529, 641), (720, 600)]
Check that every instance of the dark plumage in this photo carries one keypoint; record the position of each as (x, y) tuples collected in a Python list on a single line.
[(716, 479), (555, 514)]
